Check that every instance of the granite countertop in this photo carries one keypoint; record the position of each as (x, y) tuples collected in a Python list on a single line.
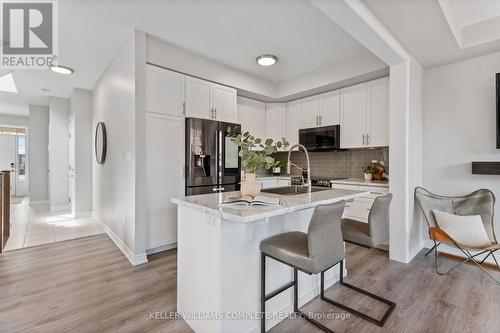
[(209, 204), (361, 181)]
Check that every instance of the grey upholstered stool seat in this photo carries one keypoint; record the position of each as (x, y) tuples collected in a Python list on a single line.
[(316, 251), (373, 233)]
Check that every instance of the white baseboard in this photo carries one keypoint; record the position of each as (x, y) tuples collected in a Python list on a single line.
[(39, 202), (79, 215), (59, 208), (415, 251), (160, 248), (135, 259)]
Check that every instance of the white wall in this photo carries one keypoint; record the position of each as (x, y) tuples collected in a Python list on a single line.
[(38, 122), (58, 153), (81, 112), (460, 126), (10, 120), (114, 182)]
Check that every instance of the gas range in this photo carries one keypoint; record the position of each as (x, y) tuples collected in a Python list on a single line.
[(323, 181)]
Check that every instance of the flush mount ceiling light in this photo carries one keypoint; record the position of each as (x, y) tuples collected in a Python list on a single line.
[(7, 83), (61, 69), (266, 60)]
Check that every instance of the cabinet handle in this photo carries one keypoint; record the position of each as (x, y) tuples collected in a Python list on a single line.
[(320, 120), (367, 139), (363, 139), (215, 113), (211, 113), (184, 108), (317, 120)]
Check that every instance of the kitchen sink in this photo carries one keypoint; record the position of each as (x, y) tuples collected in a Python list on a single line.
[(293, 190)]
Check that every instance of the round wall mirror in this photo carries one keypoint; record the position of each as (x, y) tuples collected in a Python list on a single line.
[(100, 143)]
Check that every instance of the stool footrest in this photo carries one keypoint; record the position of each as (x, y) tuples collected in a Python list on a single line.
[(279, 290)]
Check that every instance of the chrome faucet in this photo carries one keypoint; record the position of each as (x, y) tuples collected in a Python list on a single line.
[(288, 164)]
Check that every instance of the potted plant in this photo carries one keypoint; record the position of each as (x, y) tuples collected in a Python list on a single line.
[(253, 160), (277, 167), (368, 172)]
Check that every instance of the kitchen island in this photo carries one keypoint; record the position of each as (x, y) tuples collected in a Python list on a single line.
[(218, 259)]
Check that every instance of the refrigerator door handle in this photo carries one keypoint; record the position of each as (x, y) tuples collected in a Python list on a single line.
[(218, 189), (220, 139)]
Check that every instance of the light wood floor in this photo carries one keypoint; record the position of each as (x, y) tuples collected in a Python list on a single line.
[(87, 285)]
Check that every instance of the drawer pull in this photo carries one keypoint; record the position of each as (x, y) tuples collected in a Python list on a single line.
[(379, 193)]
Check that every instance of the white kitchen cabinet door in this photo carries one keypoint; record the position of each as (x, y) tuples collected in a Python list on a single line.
[(310, 112), (164, 177), (378, 113), (330, 108), (293, 121), (199, 98), (224, 102), (276, 121), (269, 183), (252, 116), (283, 182), (353, 116), (164, 91)]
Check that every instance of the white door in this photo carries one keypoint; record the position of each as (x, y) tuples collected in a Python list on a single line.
[(276, 121), (164, 177), (353, 119), (198, 98), (224, 102), (378, 113), (310, 112), (293, 121), (164, 91), (330, 108), (8, 158), (252, 116)]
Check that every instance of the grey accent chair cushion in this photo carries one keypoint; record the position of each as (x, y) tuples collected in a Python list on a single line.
[(376, 231), (319, 249)]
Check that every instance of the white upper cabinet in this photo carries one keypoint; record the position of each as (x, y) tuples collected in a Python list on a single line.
[(199, 98), (330, 108), (224, 102), (365, 115), (353, 116), (210, 100), (310, 112), (378, 113), (276, 121), (164, 91), (293, 121), (252, 116)]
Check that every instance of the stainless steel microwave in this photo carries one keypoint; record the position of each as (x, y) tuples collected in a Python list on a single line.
[(320, 138)]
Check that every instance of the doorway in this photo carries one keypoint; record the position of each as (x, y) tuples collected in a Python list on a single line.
[(13, 158)]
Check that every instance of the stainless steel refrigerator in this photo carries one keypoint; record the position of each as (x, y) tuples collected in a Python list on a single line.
[(212, 160)]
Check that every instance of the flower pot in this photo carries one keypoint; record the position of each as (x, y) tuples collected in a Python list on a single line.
[(251, 186), (368, 176), (277, 171)]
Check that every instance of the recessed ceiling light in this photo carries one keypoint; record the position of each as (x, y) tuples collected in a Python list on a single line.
[(61, 69), (7, 83), (266, 60)]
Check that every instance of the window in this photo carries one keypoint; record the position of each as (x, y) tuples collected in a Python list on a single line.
[(21, 153)]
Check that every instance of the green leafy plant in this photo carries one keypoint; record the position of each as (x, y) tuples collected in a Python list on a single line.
[(253, 159), (279, 164), (369, 169)]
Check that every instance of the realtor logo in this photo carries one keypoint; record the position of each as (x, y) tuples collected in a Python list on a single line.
[(28, 34)]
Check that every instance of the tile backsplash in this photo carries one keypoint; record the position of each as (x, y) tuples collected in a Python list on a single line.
[(347, 163)]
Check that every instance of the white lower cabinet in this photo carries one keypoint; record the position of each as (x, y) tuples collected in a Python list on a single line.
[(359, 208), (164, 177)]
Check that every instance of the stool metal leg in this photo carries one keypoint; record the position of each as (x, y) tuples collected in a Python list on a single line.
[(380, 322), (263, 293)]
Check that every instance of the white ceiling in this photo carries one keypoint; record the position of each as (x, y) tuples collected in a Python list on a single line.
[(421, 26), (468, 12), (233, 32)]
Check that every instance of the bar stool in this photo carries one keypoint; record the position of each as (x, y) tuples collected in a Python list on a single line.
[(315, 252)]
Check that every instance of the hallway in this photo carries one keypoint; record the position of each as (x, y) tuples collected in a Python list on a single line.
[(31, 226)]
